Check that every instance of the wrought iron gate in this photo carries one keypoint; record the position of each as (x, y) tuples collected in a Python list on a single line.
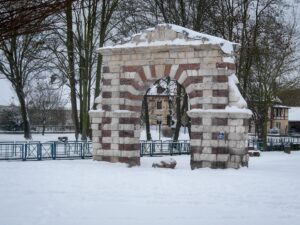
[(155, 148)]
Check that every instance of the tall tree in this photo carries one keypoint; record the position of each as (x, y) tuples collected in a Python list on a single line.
[(22, 58)]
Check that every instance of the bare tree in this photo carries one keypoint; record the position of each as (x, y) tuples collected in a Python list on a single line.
[(19, 17), (44, 99), (22, 58)]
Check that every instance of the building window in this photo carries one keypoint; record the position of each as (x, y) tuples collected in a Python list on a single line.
[(278, 125), (159, 105)]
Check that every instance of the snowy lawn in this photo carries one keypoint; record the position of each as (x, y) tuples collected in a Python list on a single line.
[(86, 192), (37, 137)]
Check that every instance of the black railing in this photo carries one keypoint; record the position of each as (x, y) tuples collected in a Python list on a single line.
[(156, 148), (279, 143), (47, 150)]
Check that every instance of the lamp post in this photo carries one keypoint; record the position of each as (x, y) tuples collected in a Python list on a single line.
[(158, 120)]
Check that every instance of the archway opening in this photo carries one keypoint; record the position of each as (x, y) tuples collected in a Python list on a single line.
[(164, 112)]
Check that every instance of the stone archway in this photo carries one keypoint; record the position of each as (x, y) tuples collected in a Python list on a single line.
[(218, 112)]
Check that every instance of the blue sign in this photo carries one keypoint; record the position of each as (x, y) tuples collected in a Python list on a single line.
[(221, 135)]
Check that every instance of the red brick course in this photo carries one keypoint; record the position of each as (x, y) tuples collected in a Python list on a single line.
[(123, 133), (128, 95), (196, 93), (196, 149), (220, 150), (105, 146), (182, 67), (106, 69), (230, 66), (152, 70), (106, 120), (167, 70), (106, 133), (106, 107), (106, 94), (196, 106), (131, 108), (106, 81), (219, 121), (220, 79), (196, 135), (128, 120), (218, 106), (129, 147), (220, 93), (197, 121)]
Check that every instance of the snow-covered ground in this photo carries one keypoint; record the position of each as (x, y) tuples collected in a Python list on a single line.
[(183, 135), (86, 192), (37, 137)]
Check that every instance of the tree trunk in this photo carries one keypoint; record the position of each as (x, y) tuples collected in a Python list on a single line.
[(178, 113), (70, 48), (24, 112), (264, 129), (85, 118), (147, 122), (44, 128)]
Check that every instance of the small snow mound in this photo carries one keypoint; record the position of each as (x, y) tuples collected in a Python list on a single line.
[(170, 163)]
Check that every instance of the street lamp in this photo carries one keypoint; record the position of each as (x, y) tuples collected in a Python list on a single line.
[(158, 120)]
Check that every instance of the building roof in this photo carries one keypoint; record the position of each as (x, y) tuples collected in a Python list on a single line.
[(294, 114), (281, 106)]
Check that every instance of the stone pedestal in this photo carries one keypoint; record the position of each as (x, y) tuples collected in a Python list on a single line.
[(219, 138)]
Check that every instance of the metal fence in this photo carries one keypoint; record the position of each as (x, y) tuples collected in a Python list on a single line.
[(156, 148), (275, 143), (47, 150)]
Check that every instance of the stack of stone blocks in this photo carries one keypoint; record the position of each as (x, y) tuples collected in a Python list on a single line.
[(128, 72)]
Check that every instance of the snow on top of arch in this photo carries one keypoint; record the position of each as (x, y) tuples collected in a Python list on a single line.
[(189, 37)]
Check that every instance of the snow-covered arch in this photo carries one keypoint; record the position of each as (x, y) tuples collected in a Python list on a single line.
[(202, 64)]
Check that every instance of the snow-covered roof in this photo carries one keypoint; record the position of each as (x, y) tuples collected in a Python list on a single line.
[(159, 36), (294, 114), (281, 106)]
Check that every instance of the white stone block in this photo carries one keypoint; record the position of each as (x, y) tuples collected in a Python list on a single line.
[(206, 150), (206, 136), (96, 145), (196, 128), (196, 142), (173, 71), (95, 126), (235, 122), (111, 75), (207, 157), (115, 133), (97, 133), (206, 143), (223, 157), (206, 121), (147, 72), (183, 77), (240, 129)]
